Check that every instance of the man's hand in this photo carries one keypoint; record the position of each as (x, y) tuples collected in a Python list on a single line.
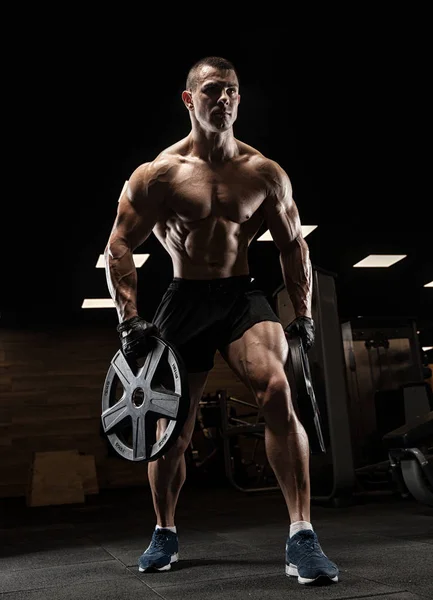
[(304, 328), (134, 336)]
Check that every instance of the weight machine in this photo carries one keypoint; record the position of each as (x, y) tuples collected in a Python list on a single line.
[(391, 407)]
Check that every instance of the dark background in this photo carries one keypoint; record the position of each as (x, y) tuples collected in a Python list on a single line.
[(347, 116)]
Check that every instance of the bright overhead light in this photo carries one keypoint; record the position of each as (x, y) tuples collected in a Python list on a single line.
[(101, 262), (429, 284), (266, 237), (139, 260), (426, 348), (380, 260), (98, 303), (306, 229)]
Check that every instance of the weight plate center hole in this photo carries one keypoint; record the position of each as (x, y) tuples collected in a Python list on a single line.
[(138, 397)]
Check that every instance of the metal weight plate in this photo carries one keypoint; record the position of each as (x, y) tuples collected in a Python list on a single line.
[(137, 394), (308, 409), (417, 472)]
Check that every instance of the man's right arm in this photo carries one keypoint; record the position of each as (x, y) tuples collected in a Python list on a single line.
[(139, 208)]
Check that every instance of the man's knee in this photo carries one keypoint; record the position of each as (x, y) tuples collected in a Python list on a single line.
[(181, 444), (177, 449), (275, 397)]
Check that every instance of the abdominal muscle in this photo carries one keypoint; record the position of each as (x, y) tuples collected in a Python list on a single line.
[(207, 249)]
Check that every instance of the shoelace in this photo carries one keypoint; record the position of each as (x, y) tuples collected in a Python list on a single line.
[(310, 544), (311, 547), (160, 540)]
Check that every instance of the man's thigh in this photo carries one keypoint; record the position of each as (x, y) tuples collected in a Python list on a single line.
[(259, 355)]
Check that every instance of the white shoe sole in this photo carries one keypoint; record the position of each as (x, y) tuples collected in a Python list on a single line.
[(174, 558), (292, 571)]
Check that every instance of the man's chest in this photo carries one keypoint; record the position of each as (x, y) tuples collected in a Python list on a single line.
[(232, 193)]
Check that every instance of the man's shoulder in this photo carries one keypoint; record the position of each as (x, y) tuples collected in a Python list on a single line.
[(158, 169), (270, 170), (259, 160), (167, 161)]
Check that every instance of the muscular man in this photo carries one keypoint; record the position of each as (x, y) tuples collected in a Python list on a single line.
[(205, 198)]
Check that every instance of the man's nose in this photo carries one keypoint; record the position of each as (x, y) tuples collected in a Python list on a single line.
[(224, 98)]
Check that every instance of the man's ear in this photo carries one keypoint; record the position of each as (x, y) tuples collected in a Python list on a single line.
[(187, 99)]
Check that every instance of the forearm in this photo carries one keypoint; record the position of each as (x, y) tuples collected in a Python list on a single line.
[(297, 275), (121, 277)]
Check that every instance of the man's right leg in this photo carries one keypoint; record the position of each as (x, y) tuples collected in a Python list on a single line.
[(167, 474)]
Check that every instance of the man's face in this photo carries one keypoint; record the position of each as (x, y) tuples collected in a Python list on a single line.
[(216, 99)]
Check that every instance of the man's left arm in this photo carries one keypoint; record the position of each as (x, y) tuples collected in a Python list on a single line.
[(282, 218)]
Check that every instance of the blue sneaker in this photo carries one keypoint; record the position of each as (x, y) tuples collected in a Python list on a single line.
[(162, 551), (306, 560)]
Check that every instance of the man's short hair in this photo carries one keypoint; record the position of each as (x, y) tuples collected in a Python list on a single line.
[(211, 61)]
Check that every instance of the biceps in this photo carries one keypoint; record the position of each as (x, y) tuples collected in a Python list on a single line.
[(284, 224), (132, 227)]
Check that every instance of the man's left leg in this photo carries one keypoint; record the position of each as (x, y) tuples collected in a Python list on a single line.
[(258, 359)]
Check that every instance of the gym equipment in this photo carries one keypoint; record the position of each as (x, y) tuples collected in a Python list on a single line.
[(412, 468), (391, 408), (137, 393), (247, 471), (307, 407), (332, 472), (382, 354), (408, 471)]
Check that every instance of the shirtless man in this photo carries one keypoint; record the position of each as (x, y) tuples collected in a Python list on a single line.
[(205, 198)]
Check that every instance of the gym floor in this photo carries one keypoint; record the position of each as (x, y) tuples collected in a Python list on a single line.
[(231, 545)]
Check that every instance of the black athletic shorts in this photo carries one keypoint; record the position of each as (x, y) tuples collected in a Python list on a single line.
[(200, 316)]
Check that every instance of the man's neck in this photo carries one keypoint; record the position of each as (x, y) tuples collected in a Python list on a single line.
[(213, 147)]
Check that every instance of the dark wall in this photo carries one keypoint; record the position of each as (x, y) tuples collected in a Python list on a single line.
[(50, 399)]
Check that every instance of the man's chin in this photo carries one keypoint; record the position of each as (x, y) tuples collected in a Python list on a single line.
[(222, 126)]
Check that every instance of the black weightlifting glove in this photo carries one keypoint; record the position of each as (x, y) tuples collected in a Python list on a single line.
[(304, 328), (135, 342)]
